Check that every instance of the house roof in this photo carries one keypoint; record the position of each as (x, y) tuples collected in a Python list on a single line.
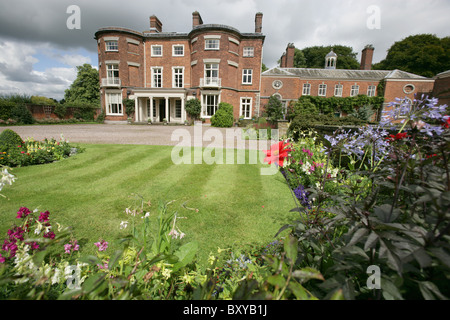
[(309, 73)]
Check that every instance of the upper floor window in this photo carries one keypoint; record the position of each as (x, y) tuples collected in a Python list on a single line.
[(249, 51), (247, 76), (371, 91), (157, 77), (112, 45), (112, 73), (322, 90), (306, 89), (355, 91), (178, 77), (338, 90), (157, 51), (178, 50), (212, 44)]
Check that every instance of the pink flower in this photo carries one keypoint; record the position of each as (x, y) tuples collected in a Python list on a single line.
[(43, 217), (2, 259), (102, 245), (23, 212)]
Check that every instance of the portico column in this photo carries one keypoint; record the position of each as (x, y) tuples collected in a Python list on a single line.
[(183, 112), (151, 109), (136, 110), (167, 109)]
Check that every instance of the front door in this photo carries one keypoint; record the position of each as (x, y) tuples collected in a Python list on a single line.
[(162, 110)]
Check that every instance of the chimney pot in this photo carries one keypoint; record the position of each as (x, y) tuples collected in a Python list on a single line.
[(258, 22)]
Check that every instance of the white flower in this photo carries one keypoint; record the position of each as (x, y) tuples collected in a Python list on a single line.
[(123, 224)]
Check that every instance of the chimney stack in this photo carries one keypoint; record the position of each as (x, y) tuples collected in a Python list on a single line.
[(283, 60), (366, 58), (196, 19), (290, 52), (155, 25), (258, 22)]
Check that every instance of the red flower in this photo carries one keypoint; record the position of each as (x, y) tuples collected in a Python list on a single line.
[(398, 136), (446, 123), (277, 153)]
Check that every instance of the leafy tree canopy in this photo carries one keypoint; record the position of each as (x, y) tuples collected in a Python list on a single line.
[(422, 54), (314, 57), (85, 88)]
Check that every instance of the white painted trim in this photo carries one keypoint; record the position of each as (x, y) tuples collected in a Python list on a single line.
[(232, 63), (212, 37), (211, 60), (156, 45), (234, 40), (129, 40), (111, 39), (173, 50), (133, 64)]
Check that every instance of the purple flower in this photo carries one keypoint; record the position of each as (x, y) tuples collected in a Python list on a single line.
[(102, 245), (302, 195)]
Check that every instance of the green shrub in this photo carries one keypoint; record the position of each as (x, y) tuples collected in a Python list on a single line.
[(223, 116), (5, 109), (60, 111), (9, 138), (21, 113), (194, 108), (306, 122)]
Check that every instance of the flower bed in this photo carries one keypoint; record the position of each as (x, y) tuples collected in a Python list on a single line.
[(31, 152)]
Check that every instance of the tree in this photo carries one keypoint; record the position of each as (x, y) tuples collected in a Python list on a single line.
[(274, 109), (422, 54), (85, 88)]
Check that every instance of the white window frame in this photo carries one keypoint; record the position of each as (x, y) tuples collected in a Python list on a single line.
[(354, 91), (205, 104), (211, 69), (174, 77), (154, 73), (247, 76), (116, 100), (246, 107), (338, 89), (112, 73), (306, 89), (371, 90), (113, 48), (248, 52), (154, 46), (212, 44), (174, 54), (322, 90)]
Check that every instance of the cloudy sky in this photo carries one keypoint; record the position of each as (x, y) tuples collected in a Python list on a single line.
[(39, 53)]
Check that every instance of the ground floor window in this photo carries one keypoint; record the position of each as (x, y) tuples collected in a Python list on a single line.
[(114, 104), (210, 104), (177, 108), (246, 108)]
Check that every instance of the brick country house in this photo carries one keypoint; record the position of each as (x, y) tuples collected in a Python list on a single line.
[(160, 70), (290, 83), (216, 63)]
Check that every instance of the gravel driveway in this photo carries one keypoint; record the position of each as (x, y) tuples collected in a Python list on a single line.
[(142, 134)]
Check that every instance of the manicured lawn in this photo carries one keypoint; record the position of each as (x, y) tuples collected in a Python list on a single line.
[(90, 191)]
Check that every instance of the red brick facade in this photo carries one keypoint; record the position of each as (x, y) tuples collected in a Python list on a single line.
[(160, 71)]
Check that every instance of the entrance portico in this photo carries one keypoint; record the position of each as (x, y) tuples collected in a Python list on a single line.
[(160, 106)]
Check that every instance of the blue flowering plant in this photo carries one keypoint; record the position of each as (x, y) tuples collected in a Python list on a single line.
[(394, 212)]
